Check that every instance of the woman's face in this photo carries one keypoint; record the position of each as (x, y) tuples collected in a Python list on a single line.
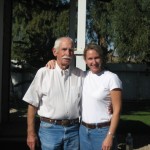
[(93, 61)]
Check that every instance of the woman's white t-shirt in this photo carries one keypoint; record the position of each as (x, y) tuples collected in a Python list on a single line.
[(96, 96)]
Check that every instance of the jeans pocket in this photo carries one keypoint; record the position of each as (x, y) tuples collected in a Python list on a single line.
[(103, 130), (45, 124)]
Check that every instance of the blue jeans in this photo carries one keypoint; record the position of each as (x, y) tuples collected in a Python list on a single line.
[(91, 139), (57, 137)]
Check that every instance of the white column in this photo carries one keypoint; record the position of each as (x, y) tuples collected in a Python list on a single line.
[(81, 28), (1, 51), (72, 23)]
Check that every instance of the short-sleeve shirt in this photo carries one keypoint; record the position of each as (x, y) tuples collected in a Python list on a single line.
[(57, 96), (96, 96)]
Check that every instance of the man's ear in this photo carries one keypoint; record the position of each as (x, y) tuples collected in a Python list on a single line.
[(54, 52)]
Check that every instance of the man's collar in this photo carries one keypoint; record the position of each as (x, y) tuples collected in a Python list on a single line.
[(61, 71)]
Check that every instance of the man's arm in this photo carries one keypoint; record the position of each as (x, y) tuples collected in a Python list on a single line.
[(32, 139)]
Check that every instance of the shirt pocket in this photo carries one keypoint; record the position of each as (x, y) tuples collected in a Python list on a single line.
[(76, 93)]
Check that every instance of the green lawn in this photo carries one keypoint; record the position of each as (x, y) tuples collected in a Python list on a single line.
[(143, 116)]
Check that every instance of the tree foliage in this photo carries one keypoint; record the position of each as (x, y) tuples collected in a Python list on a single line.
[(36, 24), (124, 23)]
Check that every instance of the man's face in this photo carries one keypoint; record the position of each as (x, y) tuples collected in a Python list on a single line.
[(64, 53)]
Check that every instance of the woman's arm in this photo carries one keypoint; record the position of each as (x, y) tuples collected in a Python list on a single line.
[(116, 97)]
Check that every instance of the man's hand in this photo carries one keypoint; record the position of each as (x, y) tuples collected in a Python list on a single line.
[(51, 64), (32, 141)]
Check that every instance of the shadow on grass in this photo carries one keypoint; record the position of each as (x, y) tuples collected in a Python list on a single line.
[(13, 134), (140, 132)]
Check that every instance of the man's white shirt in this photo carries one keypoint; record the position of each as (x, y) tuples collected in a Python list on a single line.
[(56, 95)]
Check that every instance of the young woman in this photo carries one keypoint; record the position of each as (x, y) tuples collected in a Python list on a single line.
[(101, 89)]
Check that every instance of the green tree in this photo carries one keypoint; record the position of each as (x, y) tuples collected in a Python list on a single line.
[(126, 23), (36, 25), (131, 29)]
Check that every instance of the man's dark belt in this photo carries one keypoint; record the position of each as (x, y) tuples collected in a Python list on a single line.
[(96, 125), (63, 122)]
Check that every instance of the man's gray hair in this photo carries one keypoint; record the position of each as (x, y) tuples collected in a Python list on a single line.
[(58, 41)]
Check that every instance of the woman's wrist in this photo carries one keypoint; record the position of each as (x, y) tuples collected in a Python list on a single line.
[(111, 134)]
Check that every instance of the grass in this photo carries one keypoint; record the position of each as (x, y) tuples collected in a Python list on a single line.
[(142, 116)]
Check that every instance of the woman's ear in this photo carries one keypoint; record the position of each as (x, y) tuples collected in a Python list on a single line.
[(54, 51)]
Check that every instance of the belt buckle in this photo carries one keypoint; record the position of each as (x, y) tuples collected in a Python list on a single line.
[(65, 122)]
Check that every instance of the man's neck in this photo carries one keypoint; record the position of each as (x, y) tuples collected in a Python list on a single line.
[(63, 67)]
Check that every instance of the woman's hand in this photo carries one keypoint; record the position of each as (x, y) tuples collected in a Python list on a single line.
[(51, 64), (107, 143)]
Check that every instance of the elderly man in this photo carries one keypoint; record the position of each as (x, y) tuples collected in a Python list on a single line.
[(55, 95)]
